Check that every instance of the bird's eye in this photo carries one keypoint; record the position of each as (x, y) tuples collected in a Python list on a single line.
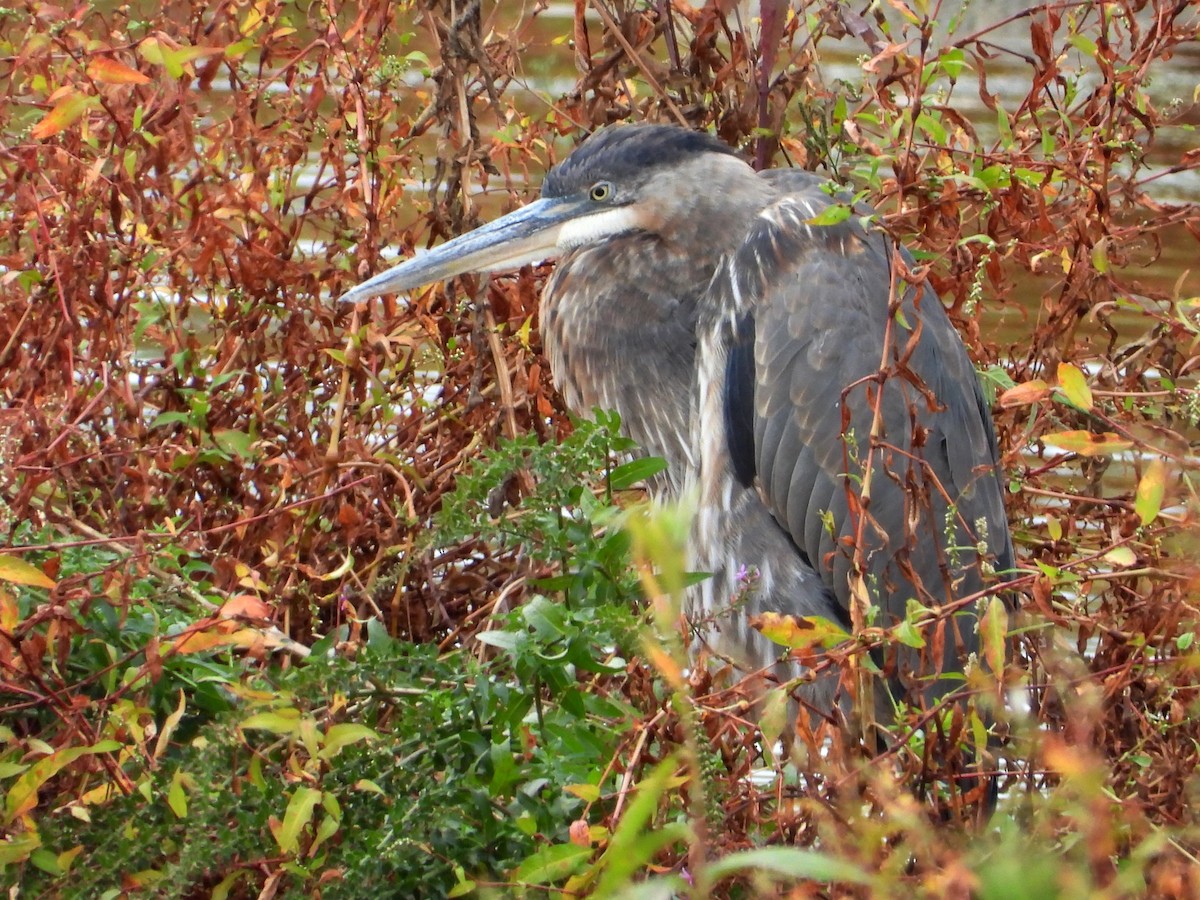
[(601, 191)]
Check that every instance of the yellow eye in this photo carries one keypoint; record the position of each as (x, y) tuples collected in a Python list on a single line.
[(601, 191)]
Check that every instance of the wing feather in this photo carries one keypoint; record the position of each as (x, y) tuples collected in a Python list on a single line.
[(828, 370)]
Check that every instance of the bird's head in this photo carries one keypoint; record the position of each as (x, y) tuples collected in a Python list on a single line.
[(623, 179)]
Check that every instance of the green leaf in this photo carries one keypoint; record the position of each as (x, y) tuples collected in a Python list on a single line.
[(791, 863), (621, 866), (993, 629), (551, 864), (834, 214), (298, 815), (1054, 528), (255, 774), (162, 743), (996, 379), (628, 474), (544, 616), (1074, 386), (504, 640), (239, 49), (339, 736), (176, 797), (279, 721), (171, 418), (908, 634), (953, 61), (46, 860), (173, 58), (235, 443), (1048, 570), (327, 828), (1122, 556), (554, 583), (994, 176), (1152, 487), (222, 889), (633, 842), (22, 796), (18, 847), (1004, 127), (933, 128), (1084, 45), (589, 793)]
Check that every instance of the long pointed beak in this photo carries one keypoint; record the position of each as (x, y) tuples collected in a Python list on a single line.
[(527, 235)]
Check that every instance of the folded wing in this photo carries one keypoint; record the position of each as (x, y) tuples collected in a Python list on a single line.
[(871, 442)]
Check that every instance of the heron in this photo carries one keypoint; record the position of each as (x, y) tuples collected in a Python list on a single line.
[(757, 332)]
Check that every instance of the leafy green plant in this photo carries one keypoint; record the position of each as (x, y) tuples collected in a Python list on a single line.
[(379, 765)]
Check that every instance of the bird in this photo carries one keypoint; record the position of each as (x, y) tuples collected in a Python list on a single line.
[(766, 338)]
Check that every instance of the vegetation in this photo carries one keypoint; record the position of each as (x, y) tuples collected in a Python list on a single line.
[(297, 599)]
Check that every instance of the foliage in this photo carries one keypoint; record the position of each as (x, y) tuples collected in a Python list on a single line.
[(348, 597), (375, 764), (372, 775)]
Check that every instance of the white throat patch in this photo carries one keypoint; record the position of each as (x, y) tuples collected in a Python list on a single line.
[(597, 226)]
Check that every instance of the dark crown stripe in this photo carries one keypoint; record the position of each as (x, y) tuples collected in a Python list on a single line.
[(618, 153)]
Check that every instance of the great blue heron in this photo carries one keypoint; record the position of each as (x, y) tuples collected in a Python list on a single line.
[(826, 413)]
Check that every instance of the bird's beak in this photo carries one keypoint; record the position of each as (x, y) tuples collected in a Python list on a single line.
[(525, 236)]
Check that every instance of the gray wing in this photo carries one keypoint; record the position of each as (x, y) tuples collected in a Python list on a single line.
[(813, 362)]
